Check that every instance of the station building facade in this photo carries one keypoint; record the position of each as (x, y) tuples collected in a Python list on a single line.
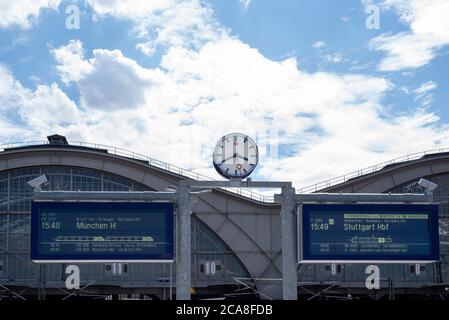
[(236, 235)]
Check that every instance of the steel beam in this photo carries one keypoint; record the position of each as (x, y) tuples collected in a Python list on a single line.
[(360, 198), (238, 184), (104, 196)]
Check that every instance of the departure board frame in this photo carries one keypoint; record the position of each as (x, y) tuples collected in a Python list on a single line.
[(165, 225), (304, 233)]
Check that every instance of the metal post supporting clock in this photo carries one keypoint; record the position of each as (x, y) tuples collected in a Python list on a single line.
[(235, 157)]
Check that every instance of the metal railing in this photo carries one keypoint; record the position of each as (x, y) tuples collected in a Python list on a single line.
[(153, 162), (240, 191), (372, 169)]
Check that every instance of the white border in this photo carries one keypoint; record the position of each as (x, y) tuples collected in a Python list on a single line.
[(102, 261), (368, 261), (300, 244)]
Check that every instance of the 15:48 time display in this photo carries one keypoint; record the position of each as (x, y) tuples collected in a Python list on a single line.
[(47, 225)]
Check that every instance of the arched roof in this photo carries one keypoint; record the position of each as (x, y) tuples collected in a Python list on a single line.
[(178, 172), (390, 174)]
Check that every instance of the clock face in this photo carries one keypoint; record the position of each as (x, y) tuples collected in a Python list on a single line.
[(235, 156)]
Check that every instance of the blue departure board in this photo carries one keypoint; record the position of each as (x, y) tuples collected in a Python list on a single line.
[(101, 231), (369, 232)]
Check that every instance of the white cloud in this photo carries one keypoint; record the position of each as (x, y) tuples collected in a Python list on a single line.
[(11, 91), (334, 58), (108, 81), (40, 111), (10, 131), (115, 82), (426, 87), (23, 13), (166, 23), (423, 93), (187, 24), (71, 64), (48, 107), (129, 9), (404, 89), (319, 44), (358, 138), (147, 48), (429, 32)]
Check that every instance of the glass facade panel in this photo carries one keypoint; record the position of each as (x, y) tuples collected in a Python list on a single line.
[(58, 178), (114, 183), (20, 192), (19, 233), (3, 192), (86, 180), (3, 232), (21, 269)]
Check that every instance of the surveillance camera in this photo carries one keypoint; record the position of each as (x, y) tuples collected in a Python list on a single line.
[(428, 185), (38, 182)]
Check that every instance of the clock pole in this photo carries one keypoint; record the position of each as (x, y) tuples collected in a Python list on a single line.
[(244, 148)]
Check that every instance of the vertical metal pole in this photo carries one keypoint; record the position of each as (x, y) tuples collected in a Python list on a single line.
[(42, 282), (163, 282), (171, 281), (299, 243), (289, 256), (8, 231), (183, 242)]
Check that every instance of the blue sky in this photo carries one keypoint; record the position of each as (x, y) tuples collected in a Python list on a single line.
[(321, 92), (290, 27)]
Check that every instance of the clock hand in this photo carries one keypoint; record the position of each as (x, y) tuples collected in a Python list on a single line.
[(228, 158), (239, 156)]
